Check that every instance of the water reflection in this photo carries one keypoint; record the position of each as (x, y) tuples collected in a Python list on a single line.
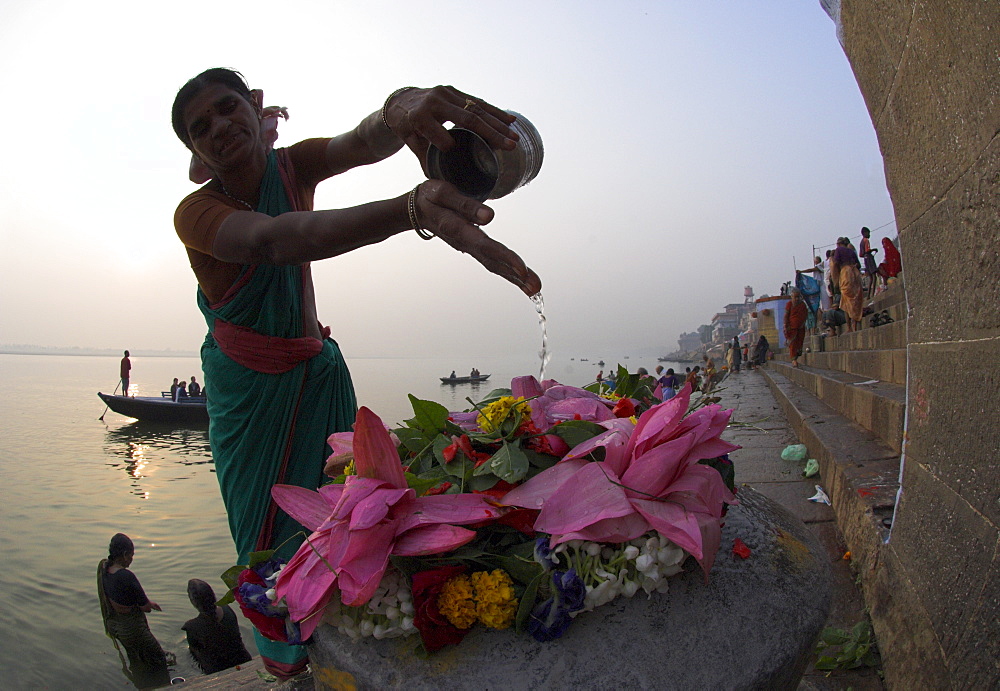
[(141, 447)]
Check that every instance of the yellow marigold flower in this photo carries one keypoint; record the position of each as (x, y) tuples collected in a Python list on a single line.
[(493, 414), (496, 605), (455, 602)]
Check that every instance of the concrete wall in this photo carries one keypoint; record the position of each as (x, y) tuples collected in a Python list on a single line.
[(930, 75)]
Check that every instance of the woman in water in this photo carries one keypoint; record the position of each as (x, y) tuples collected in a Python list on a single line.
[(124, 606)]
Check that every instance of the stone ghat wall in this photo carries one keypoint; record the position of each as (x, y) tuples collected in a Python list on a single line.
[(930, 76)]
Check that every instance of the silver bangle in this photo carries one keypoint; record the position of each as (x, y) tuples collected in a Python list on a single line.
[(411, 209), (385, 105)]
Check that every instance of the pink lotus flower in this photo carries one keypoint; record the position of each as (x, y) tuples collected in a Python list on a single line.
[(357, 526), (649, 480)]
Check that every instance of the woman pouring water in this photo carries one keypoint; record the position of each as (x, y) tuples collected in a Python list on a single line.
[(277, 384)]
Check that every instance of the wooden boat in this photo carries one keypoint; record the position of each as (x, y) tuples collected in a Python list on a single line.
[(464, 380), (163, 409)]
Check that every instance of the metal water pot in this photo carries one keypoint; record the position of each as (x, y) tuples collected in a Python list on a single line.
[(484, 173)]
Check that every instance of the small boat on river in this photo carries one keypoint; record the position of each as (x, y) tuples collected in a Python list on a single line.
[(464, 380), (190, 409)]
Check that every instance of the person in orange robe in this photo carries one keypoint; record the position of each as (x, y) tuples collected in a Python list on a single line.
[(795, 325)]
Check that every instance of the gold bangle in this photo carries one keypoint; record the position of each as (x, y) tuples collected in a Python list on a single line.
[(385, 105), (411, 209)]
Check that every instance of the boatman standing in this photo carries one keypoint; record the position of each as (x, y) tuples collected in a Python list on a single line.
[(126, 367)]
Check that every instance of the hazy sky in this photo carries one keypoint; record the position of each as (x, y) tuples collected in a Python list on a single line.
[(691, 148)]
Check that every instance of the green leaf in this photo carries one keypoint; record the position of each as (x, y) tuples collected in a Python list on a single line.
[(834, 636), (428, 415), (231, 574), (260, 557), (575, 432), (826, 663), (227, 599), (527, 603), (479, 483), (412, 439), (540, 461), (509, 463), (420, 484)]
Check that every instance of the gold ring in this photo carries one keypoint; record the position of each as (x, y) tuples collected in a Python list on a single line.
[(469, 103)]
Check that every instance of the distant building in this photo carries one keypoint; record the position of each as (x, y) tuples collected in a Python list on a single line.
[(689, 342)]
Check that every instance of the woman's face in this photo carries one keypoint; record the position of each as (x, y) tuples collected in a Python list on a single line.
[(224, 128)]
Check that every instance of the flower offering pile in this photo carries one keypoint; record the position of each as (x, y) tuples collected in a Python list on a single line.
[(539, 503)]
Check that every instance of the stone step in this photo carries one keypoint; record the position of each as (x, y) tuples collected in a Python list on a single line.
[(878, 407), (886, 337), (884, 365), (893, 295), (896, 311), (858, 471)]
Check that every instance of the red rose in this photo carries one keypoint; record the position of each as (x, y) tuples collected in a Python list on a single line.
[(440, 489), (435, 629), (521, 519)]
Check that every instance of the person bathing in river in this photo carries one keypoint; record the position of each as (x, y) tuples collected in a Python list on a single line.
[(124, 606), (213, 636), (278, 385)]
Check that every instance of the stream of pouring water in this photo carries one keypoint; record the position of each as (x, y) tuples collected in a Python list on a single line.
[(544, 354)]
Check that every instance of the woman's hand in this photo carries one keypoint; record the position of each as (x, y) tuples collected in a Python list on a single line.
[(417, 116), (455, 218)]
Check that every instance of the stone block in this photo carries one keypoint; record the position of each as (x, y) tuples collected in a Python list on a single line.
[(979, 646), (911, 654), (954, 292), (937, 116), (752, 625), (949, 549), (953, 426)]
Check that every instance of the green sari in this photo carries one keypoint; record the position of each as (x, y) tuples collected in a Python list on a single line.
[(273, 396)]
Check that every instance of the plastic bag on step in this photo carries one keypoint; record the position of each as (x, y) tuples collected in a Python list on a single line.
[(820, 496), (795, 452), (812, 468)]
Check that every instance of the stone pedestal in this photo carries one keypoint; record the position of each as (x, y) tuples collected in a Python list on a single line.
[(752, 626)]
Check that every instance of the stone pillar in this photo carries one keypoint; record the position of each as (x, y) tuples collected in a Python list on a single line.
[(929, 71)]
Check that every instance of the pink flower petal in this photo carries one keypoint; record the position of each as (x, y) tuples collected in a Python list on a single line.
[(657, 423), (712, 448), (652, 472), (674, 522), (613, 442), (457, 509), (364, 563), (375, 456), (375, 507), (590, 495), (306, 582), (306, 506), (356, 488), (432, 539), (526, 387), (619, 530), (331, 493), (704, 486), (590, 409), (533, 493)]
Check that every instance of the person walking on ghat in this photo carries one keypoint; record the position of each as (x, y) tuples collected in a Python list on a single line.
[(124, 606), (278, 385), (795, 325), (846, 275), (124, 370)]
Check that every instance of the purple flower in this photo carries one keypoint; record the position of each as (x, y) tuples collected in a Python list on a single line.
[(255, 597), (543, 555), (570, 589), (550, 618)]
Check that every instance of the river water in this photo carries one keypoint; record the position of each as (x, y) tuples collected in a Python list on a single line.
[(70, 481)]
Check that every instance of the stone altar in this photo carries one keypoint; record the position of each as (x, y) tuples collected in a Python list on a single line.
[(752, 626)]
